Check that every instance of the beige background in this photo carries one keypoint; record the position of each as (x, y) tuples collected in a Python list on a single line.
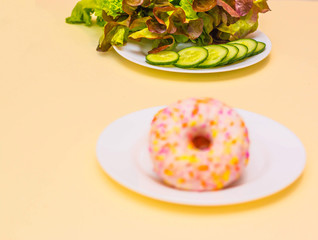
[(57, 94)]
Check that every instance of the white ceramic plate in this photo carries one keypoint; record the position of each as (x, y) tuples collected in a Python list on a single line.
[(136, 52), (277, 158)]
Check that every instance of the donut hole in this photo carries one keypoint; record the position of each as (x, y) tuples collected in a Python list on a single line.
[(201, 142)]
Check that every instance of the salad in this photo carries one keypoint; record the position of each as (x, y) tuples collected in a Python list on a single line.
[(169, 22)]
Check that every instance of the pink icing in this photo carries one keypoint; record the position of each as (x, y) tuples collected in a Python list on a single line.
[(180, 163)]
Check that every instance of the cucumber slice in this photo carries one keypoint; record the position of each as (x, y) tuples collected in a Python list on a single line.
[(251, 45), (191, 57), (232, 52), (162, 58), (260, 48), (242, 52), (216, 54)]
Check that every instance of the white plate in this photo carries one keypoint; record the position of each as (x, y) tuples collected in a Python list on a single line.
[(136, 52), (277, 158)]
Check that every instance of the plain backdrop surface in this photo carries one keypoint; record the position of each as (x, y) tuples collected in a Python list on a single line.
[(57, 94)]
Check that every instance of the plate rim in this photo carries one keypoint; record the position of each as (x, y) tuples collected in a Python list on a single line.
[(239, 65), (186, 202)]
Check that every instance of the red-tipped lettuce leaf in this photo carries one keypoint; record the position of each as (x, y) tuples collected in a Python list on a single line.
[(160, 13), (168, 42), (145, 33), (156, 27), (146, 3), (139, 23), (208, 21), (195, 28), (107, 18), (176, 20), (160, 2), (130, 6), (165, 41), (203, 5), (246, 24), (227, 8), (242, 7), (177, 23), (261, 5), (119, 30), (134, 3), (128, 9)]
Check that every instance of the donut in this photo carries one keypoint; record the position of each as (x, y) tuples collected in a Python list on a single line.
[(198, 144)]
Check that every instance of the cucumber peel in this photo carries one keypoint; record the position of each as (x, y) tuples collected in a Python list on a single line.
[(232, 52), (251, 45), (242, 53), (260, 48), (208, 56)]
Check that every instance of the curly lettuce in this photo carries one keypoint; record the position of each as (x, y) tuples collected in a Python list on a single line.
[(112, 8), (186, 5), (168, 22), (247, 23), (82, 12)]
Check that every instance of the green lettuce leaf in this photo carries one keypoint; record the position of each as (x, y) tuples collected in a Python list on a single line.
[(82, 12), (216, 14), (139, 23), (112, 8), (115, 33), (205, 38), (166, 43), (261, 6), (85, 8), (144, 33), (186, 5), (100, 21), (181, 38), (120, 36), (208, 21), (177, 22)]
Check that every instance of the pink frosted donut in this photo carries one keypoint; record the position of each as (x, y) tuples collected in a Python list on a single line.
[(198, 144)]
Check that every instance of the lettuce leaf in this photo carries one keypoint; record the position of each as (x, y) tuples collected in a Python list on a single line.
[(139, 23), (246, 24), (144, 33), (85, 8), (115, 33), (205, 38), (227, 8), (166, 43), (172, 20), (181, 38), (82, 12), (261, 6), (162, 42), (112, 8), (203, 5), (186, 5), (242, 7), (168, 22)]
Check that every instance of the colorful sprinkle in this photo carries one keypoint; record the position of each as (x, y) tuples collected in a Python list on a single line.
[(180, 162)]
